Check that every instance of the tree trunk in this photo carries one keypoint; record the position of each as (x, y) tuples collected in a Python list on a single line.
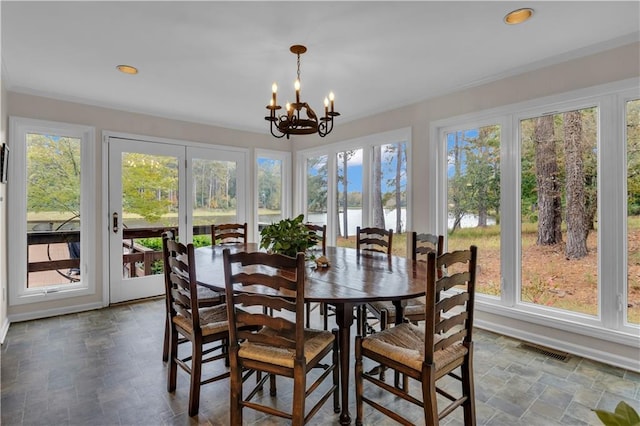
[(376, 196), (549, 203), (577, 229), (399, 153)]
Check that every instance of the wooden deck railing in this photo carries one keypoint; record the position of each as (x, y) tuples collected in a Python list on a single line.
[(137, 253)]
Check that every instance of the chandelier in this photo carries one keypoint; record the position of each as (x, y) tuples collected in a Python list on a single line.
[(292, 123)]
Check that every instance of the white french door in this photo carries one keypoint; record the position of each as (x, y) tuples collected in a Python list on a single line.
[(146, 183), (162, 185)]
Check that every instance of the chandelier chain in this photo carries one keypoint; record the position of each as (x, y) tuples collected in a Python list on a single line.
[(298, 67)]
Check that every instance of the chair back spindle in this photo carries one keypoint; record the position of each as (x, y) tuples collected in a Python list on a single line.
[(450, 300), (229, 233), (374, 240)]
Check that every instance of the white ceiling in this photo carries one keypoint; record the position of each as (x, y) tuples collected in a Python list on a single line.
[(214, 62)]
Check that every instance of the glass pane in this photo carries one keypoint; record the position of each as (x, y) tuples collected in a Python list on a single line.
[(559, 210), (214, 197), (633, 211), (53, 210), (473, 205), (269, 191), (349, 192), (149, 200), (317, 189), (390, 193)]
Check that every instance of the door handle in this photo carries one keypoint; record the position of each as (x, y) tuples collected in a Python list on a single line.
[(115, 222)]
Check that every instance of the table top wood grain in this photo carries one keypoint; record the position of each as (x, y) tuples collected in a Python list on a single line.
[(350, 278)]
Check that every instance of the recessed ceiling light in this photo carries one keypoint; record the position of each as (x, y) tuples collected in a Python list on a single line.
[(518, 16), (127, 69)]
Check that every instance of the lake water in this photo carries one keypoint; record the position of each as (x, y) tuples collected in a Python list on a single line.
[(354, 219)]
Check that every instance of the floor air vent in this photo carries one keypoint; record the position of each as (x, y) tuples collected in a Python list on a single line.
[(551, 353)]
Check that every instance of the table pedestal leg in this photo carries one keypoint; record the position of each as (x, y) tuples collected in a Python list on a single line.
[(344, 319)]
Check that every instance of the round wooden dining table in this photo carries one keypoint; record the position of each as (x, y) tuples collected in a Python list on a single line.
[(349, 281)]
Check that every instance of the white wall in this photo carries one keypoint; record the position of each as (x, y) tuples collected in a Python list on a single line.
[(4, 323)]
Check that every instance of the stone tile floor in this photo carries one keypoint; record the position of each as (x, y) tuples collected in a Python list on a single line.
[(104, 367)]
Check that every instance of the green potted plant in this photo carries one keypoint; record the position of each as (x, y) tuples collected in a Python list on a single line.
[(288, 237), (624, 415)]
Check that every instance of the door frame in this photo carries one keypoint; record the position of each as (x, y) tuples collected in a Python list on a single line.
[(243, 153), (122, 289)]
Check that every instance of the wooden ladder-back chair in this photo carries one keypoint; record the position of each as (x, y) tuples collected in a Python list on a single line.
[(369, 241), (282, 346), (414, 311), (321, 231), (385, 312), (374, 240), (206, 298), (229, 233), (188, 319), (430, 353)]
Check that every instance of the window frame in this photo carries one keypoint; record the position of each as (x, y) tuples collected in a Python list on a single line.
[(442, 215), (19, 294), (623, 226), (610, 324)]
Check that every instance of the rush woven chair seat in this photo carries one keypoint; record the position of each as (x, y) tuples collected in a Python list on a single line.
[(430, 352), (282, 346), (200, 326), (414, 310)]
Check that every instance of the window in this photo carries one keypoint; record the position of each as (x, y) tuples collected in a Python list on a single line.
[(349, 190), (389, 191), (363, 182), (317, 178), (149, 199), (50, 219), (542, 193), (272, 188), (559, 237), (473, 199), (214, 194)]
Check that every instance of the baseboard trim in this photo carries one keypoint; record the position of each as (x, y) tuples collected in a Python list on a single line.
[(54, 312), (607, 357)]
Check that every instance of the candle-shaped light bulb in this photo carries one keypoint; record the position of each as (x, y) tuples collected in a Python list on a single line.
[(331, 98), (296, 85), (326, 107), (274, 90), (288, 106)]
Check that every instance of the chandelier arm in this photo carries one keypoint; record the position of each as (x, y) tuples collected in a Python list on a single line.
[(281, 135), (325, 127)]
